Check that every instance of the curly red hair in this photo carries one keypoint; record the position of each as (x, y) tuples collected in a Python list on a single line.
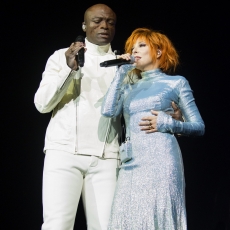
[(169, 58)]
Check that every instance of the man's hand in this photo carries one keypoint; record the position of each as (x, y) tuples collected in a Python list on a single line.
[(177, 115), (71, 53)]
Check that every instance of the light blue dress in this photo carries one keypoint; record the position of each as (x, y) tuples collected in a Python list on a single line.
[(150, 193)]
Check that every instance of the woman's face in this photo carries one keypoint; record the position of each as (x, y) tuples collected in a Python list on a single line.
[(142, 54)]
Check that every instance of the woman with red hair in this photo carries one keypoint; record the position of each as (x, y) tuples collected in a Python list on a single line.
[(151, 187)]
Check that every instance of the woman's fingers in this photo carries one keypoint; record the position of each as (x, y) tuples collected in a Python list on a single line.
[(125, 56)]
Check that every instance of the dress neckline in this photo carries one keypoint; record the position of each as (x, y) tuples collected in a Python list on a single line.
[(155, 73)]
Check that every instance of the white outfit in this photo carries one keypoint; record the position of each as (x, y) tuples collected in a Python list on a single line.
[(76, 103), (77, 137)]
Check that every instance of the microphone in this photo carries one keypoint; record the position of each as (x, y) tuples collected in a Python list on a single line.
[(81, 52), (118, 62)]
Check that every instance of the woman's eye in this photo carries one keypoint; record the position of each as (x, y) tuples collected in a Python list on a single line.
[(141, 45)]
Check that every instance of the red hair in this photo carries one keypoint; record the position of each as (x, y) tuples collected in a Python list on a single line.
[(169, 58)]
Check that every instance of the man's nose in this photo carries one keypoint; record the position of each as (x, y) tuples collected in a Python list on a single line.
[(104, 24)]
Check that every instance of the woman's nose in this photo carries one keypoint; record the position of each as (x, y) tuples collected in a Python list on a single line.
[(134, 51)]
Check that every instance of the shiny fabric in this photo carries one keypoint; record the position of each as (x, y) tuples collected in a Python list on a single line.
[(150, 189)]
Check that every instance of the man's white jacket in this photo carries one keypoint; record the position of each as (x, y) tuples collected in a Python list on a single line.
[(76, 125)]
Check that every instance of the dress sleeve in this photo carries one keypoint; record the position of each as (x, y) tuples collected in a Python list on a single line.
[(55, 81), (193, 124), (113, 101)]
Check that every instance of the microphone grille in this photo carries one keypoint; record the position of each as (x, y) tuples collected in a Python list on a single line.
[(80, 38), (117, 52), (132, 59)]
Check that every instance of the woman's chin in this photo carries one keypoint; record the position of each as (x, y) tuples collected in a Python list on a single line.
[(137, 67)]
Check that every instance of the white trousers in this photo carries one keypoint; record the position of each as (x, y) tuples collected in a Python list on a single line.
[(65, 178)]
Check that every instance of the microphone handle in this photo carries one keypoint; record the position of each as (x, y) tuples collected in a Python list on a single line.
[(111, 63), (81, 53), (81, 57)]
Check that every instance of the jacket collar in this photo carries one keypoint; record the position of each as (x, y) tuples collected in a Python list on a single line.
[(98, 50)]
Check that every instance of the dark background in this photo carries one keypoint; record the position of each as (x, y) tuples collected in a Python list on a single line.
[(32, 31)]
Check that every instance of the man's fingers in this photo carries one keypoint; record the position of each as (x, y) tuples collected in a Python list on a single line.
[(75, 47), (174, 105)]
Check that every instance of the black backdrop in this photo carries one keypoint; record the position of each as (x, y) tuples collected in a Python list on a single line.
[(31, 32)]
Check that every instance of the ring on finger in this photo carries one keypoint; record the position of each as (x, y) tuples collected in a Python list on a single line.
[(150, 127)]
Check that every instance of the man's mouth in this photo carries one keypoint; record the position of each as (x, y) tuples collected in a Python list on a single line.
[(104, 35)]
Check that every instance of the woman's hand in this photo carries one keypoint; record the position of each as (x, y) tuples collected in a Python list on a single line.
[(125, 56), (149, 123)]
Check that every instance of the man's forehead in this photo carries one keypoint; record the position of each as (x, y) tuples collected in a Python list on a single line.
[(102, 16), (100, 12)]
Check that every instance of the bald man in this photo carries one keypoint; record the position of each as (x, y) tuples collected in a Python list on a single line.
[(81, 146)]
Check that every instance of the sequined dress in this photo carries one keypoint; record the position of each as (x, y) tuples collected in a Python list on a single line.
[(150, 188)]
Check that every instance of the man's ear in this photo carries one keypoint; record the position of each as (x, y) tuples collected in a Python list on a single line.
[(84, 26)]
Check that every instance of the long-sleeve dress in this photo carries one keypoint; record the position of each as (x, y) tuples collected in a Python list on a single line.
[(150, 188)]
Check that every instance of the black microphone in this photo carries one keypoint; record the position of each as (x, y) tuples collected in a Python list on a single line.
[(81, 52), (116, 62)]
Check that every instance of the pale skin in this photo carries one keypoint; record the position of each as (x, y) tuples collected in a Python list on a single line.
[(144, 62)]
